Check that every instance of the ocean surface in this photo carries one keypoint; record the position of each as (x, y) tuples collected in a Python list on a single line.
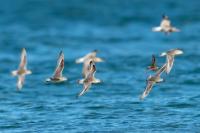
[(121, 31)]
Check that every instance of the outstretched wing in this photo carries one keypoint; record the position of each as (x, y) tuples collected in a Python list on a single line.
[(170, 62), (90, 55), (161, 70), (23, 61), (86, 86), (88, 79), (153, 60), (60, 66), (157, 29), (147, 89), (20, 81), (174, 29), (86, 67)]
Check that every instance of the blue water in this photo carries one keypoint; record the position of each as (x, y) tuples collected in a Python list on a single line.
[(121, 31)]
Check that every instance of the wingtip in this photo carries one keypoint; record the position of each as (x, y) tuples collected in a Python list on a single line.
[(163, 54), (19, 86), (48, 80), (164, 16), (80, 81), (14, 73), (23, 49), (79, 60), (141, 98), (79, 95), (61, 52), (157, 29)]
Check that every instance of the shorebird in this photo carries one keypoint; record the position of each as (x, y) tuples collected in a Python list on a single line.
[(91, 55), (153, 65), (89, 79), (22, 70), (170, 58), (57, 76), (165, 26), (151, 80), (86, 68)]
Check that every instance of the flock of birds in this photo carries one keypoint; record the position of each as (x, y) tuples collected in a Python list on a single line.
[(89, 67)]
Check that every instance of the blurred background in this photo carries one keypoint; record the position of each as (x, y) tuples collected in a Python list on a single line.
[(121, 31)]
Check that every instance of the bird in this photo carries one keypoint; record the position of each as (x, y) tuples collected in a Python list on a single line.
[(153, 65), (91, 55), (165, 26), (86, 68), (170, 58), (57, 75), (22, 70), (152, 80), (89, 79)]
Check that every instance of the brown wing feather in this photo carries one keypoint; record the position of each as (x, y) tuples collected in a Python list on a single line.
[(88, 79), (160, 71), (147, 89), (60, 66), (86, 86)]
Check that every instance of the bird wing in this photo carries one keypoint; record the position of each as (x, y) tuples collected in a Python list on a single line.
[(60, 66), (153, 60), (90, 55), (20, 81), (174, 29), (89, 79), (80, 60), (157, 29), (161, 70), (170, 62), (86, 68), (23, 61), (86, 86), (147, 89), (97, 59)]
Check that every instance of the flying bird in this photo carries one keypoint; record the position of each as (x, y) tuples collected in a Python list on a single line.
[(170, 58), (86, 70), (165, 26), (152, 80), (57, 75), (153, 65), (91, 55), (22, 70), (89, 79)]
